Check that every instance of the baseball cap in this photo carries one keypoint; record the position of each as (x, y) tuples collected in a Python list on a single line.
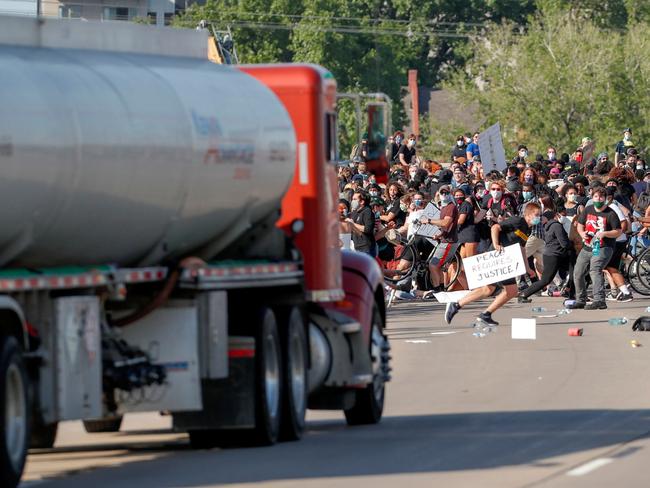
[(627, 129), (357, 178), (377, 201)]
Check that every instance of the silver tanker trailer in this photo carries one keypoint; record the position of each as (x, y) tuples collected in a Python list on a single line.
[(131, 168)]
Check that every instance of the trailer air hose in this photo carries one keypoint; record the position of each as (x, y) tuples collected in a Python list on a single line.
[(187, 263)]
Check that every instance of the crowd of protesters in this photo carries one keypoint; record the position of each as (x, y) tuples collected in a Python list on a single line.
[(571, 213)]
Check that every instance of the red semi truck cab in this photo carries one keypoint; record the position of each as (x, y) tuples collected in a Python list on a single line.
[(308, 92)]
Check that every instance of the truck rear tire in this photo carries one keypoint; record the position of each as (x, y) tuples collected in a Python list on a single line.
[(14, 412), (369, 405), (268, 379), (294, 376), (43, 435), (110, 424)]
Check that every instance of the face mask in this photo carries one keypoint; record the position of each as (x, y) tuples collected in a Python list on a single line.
[(354, 205), (528, 195), (417, 203), (536, 220), (411, 143), (528, 179), (551, 156), (599, 204), (639, 166), (377, 214), (345, 212), (459, 143), (403, 207), (398, 140), (373, 193), (413, 173), (523, 154), (445, 199), (572, 197), (460, 200), (626, 137), (496, 194)]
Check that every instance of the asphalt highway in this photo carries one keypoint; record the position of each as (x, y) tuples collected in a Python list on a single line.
[(462, 411)]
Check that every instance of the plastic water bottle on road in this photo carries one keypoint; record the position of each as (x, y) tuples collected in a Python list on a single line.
[(618, 321)]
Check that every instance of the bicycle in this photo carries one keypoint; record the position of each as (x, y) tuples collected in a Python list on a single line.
[(416, 266)]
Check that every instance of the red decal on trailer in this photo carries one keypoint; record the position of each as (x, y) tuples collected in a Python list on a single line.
[(241, 353)]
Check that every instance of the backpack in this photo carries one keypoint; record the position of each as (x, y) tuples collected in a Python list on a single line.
[(642, 324)]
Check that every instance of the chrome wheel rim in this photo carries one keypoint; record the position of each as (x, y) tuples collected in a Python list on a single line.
[(272, 376), (15, 415), (377, 343)]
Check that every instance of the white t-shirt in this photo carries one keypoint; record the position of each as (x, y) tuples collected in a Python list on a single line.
[(621, 216), (413, 215)]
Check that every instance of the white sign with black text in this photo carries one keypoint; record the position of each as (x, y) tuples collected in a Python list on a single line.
[(490, 145), (494, 266)]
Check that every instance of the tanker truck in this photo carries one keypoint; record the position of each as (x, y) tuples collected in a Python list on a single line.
[(169, 243)]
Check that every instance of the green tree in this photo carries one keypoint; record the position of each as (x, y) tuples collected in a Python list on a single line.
[(557, 83)]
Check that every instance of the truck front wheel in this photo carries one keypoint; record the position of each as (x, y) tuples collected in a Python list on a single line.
[(14, 415), (369, 405)]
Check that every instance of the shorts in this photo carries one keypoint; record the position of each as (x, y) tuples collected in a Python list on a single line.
[(615, 260), (444, 253)]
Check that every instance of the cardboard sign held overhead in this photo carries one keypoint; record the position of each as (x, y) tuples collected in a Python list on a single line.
[(490, 145), (493, 266)]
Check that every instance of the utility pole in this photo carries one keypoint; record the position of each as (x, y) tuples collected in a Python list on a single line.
[(415, 101)]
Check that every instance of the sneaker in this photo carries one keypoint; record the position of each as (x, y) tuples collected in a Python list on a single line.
[(624, 297), (451, 309), (612, 297), (579, 304), (523, 299), (486, 318), (596, 306)]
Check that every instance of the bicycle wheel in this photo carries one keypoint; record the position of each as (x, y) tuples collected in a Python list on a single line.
[(457, 262), (405, 254), (642, 272)]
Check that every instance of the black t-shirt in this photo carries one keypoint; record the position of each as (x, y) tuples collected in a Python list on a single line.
[(400, 215), (407, 152), (459, 152), (364, 241), (514, 230), (595, 221), (467, 232)]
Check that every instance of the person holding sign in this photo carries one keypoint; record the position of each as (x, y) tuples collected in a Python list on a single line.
[(514, 230)]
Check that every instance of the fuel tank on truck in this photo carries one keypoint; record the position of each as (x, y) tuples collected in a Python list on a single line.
[(123, 144)]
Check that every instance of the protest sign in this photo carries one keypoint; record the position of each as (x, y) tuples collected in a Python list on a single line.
[(493, 266), (430, 212), (490, 145)]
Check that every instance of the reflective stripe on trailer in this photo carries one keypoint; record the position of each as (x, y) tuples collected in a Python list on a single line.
[(83, 280), (246, 271)]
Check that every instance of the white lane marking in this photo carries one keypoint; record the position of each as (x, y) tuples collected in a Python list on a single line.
[(445, 332), (418, 341), (589, 467)]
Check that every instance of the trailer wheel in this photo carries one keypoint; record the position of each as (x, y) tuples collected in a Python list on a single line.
[(268, 380), (369, 405), (294, 342), (43, 435), (14, 412), (110, 424)]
